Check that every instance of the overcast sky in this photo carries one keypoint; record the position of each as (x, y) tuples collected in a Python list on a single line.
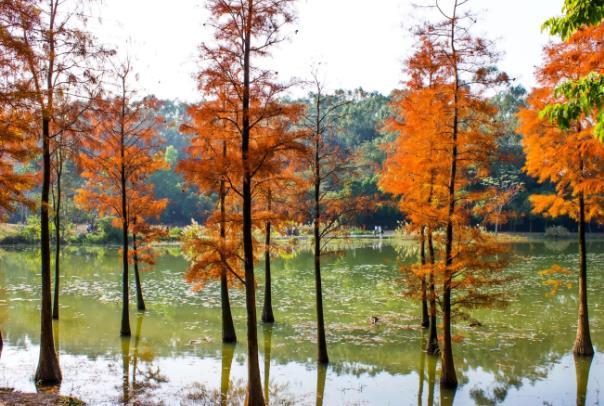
[(359, 43)]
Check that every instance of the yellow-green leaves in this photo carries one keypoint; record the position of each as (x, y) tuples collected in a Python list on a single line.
[(584, 97)]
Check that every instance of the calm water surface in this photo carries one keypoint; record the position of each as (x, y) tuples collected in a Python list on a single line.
[(520, 355)]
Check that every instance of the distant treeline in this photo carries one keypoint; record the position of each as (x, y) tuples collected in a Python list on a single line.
[(360, 133)]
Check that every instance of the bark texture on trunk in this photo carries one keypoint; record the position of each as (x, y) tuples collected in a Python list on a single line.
[(583, 345), (48, 371)]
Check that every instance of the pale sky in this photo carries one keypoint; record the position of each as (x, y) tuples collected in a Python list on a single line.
[(358, 42)]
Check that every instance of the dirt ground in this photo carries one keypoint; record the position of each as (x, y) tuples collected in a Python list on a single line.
[(9, 397)]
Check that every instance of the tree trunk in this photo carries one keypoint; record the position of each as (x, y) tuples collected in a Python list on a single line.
[(140, 301), (254, 396), (432, 344), (422, 242), (267, 310), (583, 345), (582, 367), (228, 351), (268, 337), (448, 377), (322, 356), (125, 328), (55, 307), (48, 371), (228, 328)]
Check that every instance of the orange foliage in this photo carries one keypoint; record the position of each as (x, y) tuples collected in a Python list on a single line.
[(417, 169), (16, 148), (213, 167), (124, 145)]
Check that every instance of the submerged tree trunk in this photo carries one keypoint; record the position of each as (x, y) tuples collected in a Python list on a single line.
[(322, 356), (422, 253), (57, 221), (432, 343), (583, 345), (267, 310), (254, 396), (48, 371), (228, 328), (140, 301)]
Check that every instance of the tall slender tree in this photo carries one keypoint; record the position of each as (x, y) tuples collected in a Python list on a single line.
[(61, 66), (119, 156), (468, 63), (326, 207), (416, 164), (210, 168), (244, 33), (144, 207), (569, 158)]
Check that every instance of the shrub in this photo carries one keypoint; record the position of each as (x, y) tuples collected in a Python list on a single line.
[(557, 232)]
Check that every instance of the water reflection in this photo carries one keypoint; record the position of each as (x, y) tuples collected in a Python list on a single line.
[(137, 337), (447, 396), (420, 370), (267, 333), (228, 351), (431, 361), (56, 334), (582, 367), (321, 378), (125, 345)]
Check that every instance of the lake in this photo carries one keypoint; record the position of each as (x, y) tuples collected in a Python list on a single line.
[(518, 355)]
